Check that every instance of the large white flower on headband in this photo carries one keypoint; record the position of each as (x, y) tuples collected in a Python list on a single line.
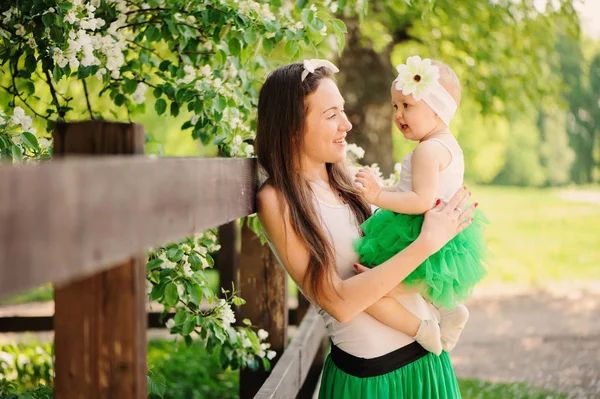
[(315, 63), (417, 77)]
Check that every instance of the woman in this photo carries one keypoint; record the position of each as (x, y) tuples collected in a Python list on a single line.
[(310, 211)]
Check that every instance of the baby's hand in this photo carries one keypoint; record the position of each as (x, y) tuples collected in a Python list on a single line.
[(368, 184)]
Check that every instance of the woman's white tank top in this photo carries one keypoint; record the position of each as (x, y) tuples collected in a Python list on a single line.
[(363, 336)]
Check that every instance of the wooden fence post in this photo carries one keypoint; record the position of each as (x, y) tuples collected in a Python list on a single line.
[(264, 287), (228, 257), (100, 322)]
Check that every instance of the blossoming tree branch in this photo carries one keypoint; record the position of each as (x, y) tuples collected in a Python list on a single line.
[(69, 60)]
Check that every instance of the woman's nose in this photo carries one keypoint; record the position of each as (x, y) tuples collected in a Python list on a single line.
[(346, 125)]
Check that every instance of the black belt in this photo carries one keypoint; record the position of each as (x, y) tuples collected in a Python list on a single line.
[(361, 367)]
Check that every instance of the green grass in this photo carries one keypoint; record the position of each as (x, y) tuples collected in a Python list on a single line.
[(39, 294), (475, 389), (537, 237)]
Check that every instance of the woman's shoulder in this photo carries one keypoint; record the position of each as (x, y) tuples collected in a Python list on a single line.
[(268, 198)]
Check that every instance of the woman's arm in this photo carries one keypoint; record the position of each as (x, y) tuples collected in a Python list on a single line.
[(426, 164), (344, 299)]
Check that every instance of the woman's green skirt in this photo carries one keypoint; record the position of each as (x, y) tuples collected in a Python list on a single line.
[(430, 377)]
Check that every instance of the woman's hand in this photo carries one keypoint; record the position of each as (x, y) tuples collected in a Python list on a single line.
[(367, 183), (444, 222)]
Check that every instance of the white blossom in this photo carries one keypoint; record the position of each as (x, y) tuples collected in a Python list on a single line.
[(271, 355), (261, 354), (31, 43), (249, 150), (262, 334), (139, 96), (71, 17), (355, 150), (226, 314), (170, 323), (6, 358), (100, 73), (20, 30)]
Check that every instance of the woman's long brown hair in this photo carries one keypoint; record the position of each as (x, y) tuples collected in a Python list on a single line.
[(279, 141)]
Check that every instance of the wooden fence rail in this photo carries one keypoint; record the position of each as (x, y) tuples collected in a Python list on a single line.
[(85, 223)]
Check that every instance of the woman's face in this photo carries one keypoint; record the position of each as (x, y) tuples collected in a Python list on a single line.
[(326, 124), (415, 119)]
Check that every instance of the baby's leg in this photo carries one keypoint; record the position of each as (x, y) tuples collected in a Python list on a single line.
[(452, 324), (392, 313)]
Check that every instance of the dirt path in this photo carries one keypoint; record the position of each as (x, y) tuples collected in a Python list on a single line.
[(549, 338)]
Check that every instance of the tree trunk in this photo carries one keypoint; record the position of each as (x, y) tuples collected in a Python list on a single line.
[(365, 79)]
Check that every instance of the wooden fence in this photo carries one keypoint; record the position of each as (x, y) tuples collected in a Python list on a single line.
[(84, 223)]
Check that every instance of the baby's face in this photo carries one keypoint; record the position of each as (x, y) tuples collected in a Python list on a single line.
[(415, 119)]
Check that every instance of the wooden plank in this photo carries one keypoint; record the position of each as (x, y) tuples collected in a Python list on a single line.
[(100, 321), (71, 218), (287, 377), (264, 287)]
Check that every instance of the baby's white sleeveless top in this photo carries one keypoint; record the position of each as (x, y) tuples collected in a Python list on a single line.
[(363, 336), (450, 178)]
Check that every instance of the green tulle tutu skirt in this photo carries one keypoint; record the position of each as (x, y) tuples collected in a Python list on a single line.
[(430, 377), (446, 277)]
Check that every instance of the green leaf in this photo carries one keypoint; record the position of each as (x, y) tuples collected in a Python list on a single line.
[(129, 86), (291, 48), (175, 255), (234, 46), (195, 262), (49, 19), (247, 322), (160, 106), (171, 294), (302, 3), (30, 87), (16, 152), (163, 66), (250, 36), (119, 99), (237, 301), (65, 6), (153, 264), (180, 317), (188, 326), (158, 291), (339, 26), (220, 103), (268, 45), (157, 385), (196, 293), (153, 34), (30, 141), (210, 260), (30, 63), (266, 364), (174, 108)]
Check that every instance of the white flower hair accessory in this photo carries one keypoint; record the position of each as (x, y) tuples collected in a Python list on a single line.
[(421, 79), (315, 63)]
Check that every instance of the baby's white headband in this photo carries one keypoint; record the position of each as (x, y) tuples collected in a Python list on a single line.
[(421, 79), (311, 65)]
